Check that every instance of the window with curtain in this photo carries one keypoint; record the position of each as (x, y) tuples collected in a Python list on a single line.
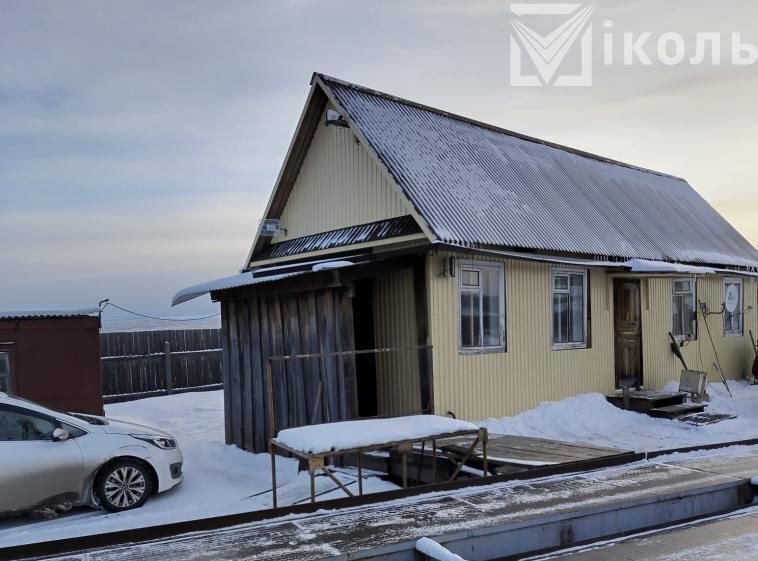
[(733, 306), (569, 301), (684, 310), (482, 306)]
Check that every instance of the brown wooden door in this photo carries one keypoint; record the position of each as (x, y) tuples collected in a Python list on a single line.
[(628, 331)]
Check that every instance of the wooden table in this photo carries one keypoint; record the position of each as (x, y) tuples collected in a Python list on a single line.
[(318, 461)]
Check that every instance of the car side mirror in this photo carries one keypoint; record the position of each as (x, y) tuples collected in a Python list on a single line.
[(60, 435)]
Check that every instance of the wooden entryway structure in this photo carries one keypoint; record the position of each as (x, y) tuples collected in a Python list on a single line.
[(325, 345), (627, 326)]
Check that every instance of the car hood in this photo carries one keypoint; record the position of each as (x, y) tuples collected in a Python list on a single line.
[(115, 426)]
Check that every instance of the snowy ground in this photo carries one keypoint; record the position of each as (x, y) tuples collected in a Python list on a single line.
[(589, 418), (219, 479), (222, 479)]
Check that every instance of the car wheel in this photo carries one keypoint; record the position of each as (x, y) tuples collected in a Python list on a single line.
[(123, 485)]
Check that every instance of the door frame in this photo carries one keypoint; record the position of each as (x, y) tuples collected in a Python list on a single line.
[(616, 283)]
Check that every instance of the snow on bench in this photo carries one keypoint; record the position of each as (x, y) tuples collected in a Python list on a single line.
[(365, 433)]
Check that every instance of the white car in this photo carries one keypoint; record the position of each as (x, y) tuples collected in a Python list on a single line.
[(52, 459)]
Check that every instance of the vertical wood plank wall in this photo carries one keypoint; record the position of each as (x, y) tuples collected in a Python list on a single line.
[(397, 373), (338, 185), (257, 327), (477, 386)]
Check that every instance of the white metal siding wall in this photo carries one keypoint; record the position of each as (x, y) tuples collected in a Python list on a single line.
[(338, 185), (397, 373), (735, 355), (476, 386)]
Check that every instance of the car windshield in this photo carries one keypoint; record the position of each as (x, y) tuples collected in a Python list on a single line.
[(57, 412)]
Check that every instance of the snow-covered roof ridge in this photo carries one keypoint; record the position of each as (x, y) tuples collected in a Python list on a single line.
[(54, 313), (478, 185)]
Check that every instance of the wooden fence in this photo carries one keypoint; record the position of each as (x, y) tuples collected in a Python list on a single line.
[(143, 363)]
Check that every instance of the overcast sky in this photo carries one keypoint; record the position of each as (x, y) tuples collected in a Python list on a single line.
[(139, 140)]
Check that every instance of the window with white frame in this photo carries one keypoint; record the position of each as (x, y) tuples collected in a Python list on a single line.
[(732, 306), (482, 306), (684, 310), (569, 295)]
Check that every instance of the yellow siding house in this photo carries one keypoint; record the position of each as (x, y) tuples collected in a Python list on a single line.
[(414, 260)]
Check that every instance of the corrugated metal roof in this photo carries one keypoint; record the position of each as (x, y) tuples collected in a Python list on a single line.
[(263, 275), (475, 184), (39, 314), (362, 233), (234, 281)]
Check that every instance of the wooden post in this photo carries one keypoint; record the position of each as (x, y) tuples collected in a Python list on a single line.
[(424, 358), (483, 437), (167, 359), (360, 475), (404, 456), (315, 463), (271, 413), (273, 473), (434, 461), (420, 465)]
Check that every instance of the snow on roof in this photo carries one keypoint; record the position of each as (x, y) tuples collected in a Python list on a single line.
[(262, 275), (243, 279), (34, 314), (476, 184), (365, 433), (647, 266)]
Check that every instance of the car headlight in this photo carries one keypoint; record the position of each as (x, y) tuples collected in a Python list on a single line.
[(159, 441)]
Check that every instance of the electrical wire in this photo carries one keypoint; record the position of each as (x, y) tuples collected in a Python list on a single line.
[(106, 304)]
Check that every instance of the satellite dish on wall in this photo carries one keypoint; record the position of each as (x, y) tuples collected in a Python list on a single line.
[(732, 298)]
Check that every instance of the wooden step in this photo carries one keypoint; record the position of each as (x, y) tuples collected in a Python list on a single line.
[(645, 400), (674, 411)]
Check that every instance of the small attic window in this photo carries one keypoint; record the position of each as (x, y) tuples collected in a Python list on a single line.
[(332, 117)]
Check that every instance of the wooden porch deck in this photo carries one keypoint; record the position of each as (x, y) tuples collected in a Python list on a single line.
[(508, 453)]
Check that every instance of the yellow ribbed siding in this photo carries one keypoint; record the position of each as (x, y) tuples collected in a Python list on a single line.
[(397, 373), (734, 352), (339, 185), (476, 386)]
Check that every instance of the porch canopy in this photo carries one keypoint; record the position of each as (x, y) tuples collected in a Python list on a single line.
[(265, 275)]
